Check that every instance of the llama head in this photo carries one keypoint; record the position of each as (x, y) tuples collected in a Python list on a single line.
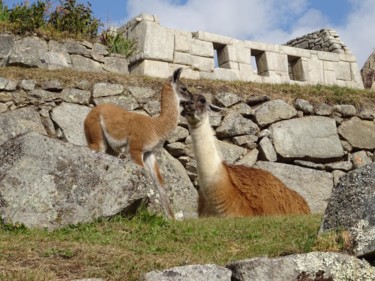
[(196, 110), (179, 88)]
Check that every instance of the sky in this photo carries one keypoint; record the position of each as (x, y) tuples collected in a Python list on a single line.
[(268, 21)]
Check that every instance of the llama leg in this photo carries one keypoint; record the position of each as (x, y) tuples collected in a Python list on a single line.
[(152, 166)]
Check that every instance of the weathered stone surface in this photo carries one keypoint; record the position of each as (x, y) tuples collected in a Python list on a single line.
[(40, 96), (310, 266), (20, 121), (248, 141), (235, 124), (49, 183), (70, 117), (27, 85), (267, 150), (345, 110), (304, 106), (359, 133), (368, 72), (273, 111), (178, 134), (116, 65), (249, 159), (254, 100), (226, 99), (75, 96), (142, 94), (311, 137), (360, 158), (230, 152), (52, 86), (107, 89), (6, 46), (183, 196), (28, 52), (127, 102), (352, 207), (85, 64), (56, 60), (315, 186), (340, 165), (323, 109), (190, 273)]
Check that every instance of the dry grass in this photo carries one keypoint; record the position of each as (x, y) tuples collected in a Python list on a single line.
[(315, 94)]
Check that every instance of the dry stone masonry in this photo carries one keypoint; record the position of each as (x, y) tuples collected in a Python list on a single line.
[(49, 178), (211, 56)]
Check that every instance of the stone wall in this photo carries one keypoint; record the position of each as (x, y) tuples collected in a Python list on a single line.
[(212, 56), (308, 147), (32, 51), (326, 40)]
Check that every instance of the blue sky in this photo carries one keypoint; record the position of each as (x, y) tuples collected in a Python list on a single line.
[(269, 21)]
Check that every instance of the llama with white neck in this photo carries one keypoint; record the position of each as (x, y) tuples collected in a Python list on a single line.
[(110, 128), (233, 190)]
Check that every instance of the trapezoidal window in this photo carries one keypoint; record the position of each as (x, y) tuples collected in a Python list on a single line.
[(259, 62), (218, 55), (295, 68)]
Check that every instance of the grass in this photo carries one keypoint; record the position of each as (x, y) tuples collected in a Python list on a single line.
[(123, 249), (288, 92)]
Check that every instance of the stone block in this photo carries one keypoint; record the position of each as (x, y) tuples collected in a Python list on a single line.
[(234, 53), (230, 65), (226, 74), (182, 58), (201, 48), (315, 72), (182, 43), (151, 68), (343, 71), (202, 63), (211, 37), (328, 56)]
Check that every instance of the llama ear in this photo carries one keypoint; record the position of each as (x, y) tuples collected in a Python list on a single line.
[(214, 107), (176, 74)]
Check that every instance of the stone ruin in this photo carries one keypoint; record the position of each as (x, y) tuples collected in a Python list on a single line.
[(211, 56)]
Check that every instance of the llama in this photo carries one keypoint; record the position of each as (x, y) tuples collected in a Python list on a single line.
[(109, 128), (233, 190)]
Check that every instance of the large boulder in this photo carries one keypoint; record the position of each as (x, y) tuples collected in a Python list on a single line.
[(48, 183), (313, 185), (312, 138), (368, 72), (29, 51), (273, 111), (352, 207), (310, 266)]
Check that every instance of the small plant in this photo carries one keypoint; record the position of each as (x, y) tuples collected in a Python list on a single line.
[(4, 13), (28, 18), (117, 43), (75, 19)]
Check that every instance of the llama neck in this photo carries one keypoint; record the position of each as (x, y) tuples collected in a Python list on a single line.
[(168, 118), (206, 152)]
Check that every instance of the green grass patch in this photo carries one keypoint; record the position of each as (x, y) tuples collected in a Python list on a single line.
[(112, 249)]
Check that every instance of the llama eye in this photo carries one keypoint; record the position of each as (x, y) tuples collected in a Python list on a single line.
[(202, 100)]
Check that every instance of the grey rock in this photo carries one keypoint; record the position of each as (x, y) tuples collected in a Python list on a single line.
[(323, 109), (39, 96), (267, 151), (107, 89), (337, 174), (366, 113), (152, 107), (310, 266), (75, 96), (304, 106), (190, 273), (177, 149), (360, 159), (242, 108), (273, 111), (47, 183), (226, 99), (249, 141), (249, 159), (309, 164), (27, 85), (235, 124), (315, 186), (56, 60), (100, 49), (178, 134), (359, 133), (74, 48), (183, 195), (142, 94), (340, 165), (85, 64), (345, 110), (116, 65), (29, 52), (215, 119), (310, 138), (7, 85), (84, 85), (52, 86), (352, 207), (20, 121), (70, 117), (6, 45), (127, 102), (3, 107), (254, 100), (230, 152)]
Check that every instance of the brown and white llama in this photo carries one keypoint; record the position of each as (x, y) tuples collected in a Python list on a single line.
[(233, 190), (110, 128)]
